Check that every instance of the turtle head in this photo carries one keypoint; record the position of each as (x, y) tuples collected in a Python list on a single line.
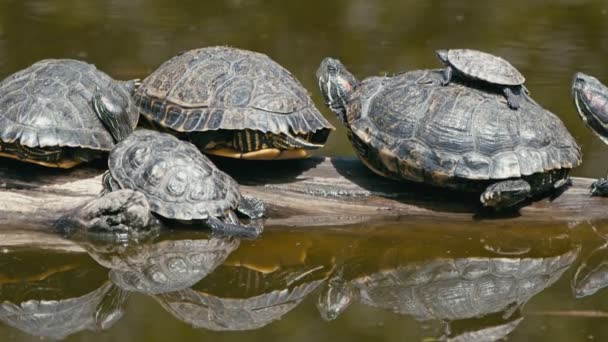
[(337, 85), (590, 98), (114, 116), (442, 55)]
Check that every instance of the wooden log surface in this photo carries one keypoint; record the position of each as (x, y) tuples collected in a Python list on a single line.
[(314, 192)]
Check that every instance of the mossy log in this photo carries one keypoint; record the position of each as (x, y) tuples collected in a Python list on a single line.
[(314, 192)]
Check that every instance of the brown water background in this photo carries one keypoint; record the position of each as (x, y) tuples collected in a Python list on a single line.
[(547, 40)]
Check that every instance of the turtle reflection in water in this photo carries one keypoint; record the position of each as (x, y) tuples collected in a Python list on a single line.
[(591, 101), (591, 275), (162, 266), (53, 306), (465, 291), (409, 127), (62, 112), (233, 103), (259, 299), (179, 183)]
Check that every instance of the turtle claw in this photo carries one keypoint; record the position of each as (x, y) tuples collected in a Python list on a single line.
[(599, 187), (513, 98), (251, 207)]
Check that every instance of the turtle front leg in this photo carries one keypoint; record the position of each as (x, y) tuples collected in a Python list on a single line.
[(600, 187), (514, 97), (231, 226), (505, 194), (447, 75), (251, 207)]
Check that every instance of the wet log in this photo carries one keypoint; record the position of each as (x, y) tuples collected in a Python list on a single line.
[(314, 192)]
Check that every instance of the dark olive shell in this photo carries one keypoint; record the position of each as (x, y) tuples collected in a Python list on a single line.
[(226, 88), (423, 131), (178, 180), (50, 104)]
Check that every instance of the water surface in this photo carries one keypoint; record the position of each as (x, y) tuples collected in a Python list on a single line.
[(397, 280)]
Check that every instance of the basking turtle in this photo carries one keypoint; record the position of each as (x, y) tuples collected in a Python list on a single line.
[(591, 101), (409, 127), (480, 66), (61, 112), (233, 103), (179, 182)]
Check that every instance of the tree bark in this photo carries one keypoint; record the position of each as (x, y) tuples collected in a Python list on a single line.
[(313, 192)]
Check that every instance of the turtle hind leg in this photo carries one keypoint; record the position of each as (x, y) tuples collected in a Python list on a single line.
[(514, 97), (506, 194), (600, 187), (231, 226), (447, 76), (251, 207)]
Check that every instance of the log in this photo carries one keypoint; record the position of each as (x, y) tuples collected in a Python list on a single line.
[(318, 191)]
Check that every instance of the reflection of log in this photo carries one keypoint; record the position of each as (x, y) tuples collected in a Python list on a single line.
[(313, 192)]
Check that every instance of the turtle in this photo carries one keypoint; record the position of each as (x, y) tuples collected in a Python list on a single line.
[(591, 101), (409, 127), (489, 69), (179, 182), (62, 112), (233, 103)]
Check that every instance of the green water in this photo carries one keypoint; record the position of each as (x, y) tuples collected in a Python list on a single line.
[(403, 280)]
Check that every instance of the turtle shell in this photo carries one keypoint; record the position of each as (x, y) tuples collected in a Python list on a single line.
[(425, 132), (484, 66), (230, 89), (178, 180), (50, 104)]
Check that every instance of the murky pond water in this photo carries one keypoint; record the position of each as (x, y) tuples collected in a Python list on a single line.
[(382, 280)]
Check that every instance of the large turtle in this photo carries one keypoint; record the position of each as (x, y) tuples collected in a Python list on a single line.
[(233, 103), (179, 182), (410, 127), (487, 68), (61, 112), (591, 101)]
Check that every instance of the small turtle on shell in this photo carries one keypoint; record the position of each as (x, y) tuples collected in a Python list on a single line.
[(233, 103), (62, 112), (409, 127), (179, 182), (591, 101), (482, 66)]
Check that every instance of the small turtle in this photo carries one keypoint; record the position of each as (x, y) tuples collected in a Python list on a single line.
[(62, 112), (409, 127), (591, 101), (179, 182), (481, 66), (233, 103)]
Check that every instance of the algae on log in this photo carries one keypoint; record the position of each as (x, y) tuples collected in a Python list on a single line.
[(313, 192)]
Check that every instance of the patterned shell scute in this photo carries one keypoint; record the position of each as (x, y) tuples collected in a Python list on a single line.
[(227, 88), (485, 67), (49, 104), (179, 181), (455, 131)]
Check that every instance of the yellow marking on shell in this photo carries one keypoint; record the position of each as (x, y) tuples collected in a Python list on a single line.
[(62, 164), (265, 154)]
